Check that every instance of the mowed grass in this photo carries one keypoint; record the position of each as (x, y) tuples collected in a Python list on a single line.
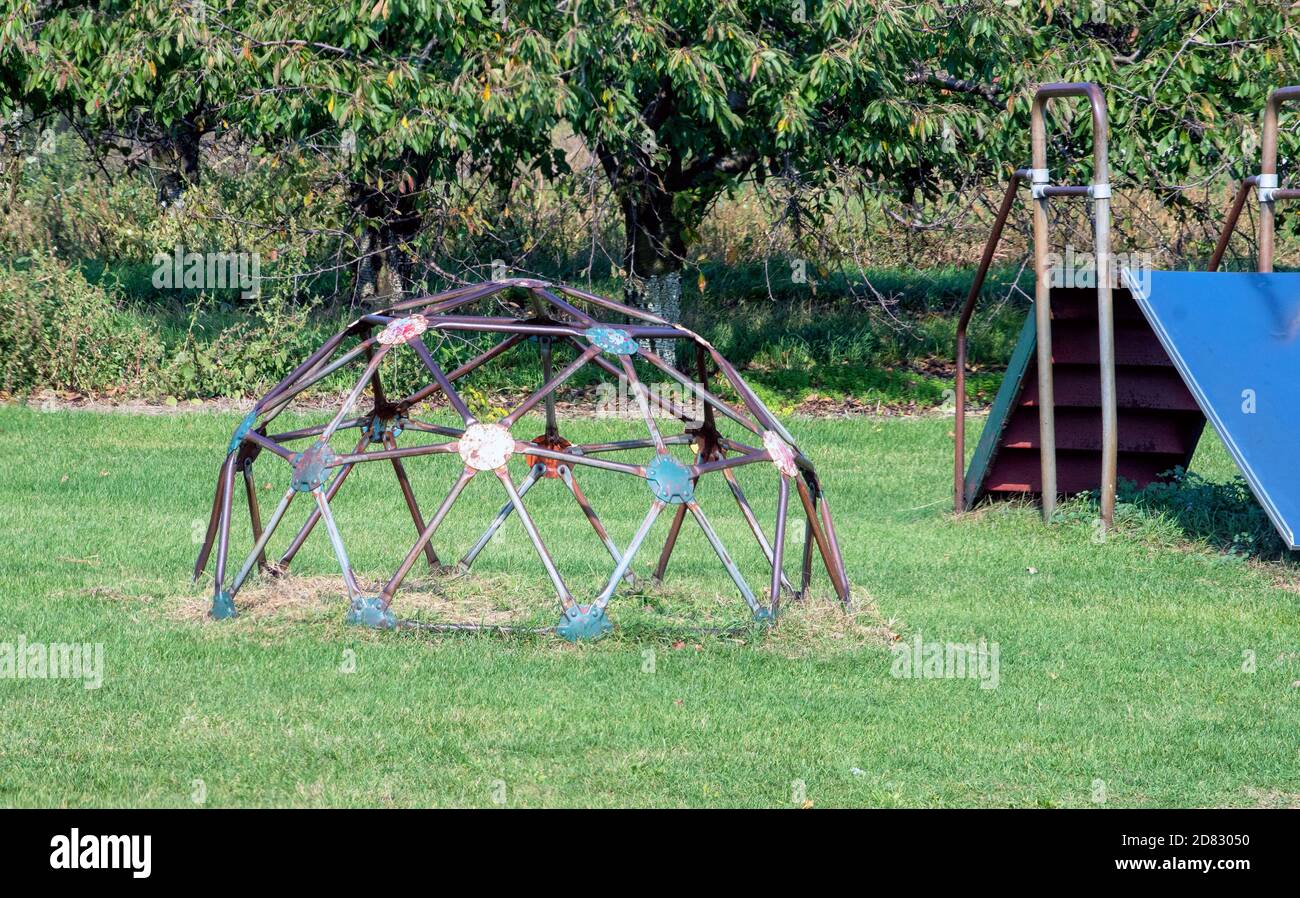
[(1121, 665)]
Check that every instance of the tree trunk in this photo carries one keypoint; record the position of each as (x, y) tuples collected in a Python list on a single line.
[(183, 168), (383, 270), (654, 255)]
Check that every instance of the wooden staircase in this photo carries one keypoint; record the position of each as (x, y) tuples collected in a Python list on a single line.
[(1159, 422)]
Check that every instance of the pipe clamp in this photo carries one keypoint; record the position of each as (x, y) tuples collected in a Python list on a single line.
[(1266, 185)]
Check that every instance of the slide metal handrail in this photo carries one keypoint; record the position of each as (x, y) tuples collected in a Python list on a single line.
[(1042, 191), (1265, 183)]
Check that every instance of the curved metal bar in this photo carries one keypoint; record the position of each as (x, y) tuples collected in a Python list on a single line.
[(641, 394), (1042, 295), (671, 408), (700, 393), (381, 454), (777, 555), (613, 305), (724, 556), (269, 444), (571, 458), (391, 587), (214, 520), (452, 396), (408, 494), (301, 434), (752, 520), (254, 507), (467, 560), (566, 474), (564, 306), (259, 545), (549, 387), (1268, 167), (723, 464), (566, 599), (621, 569)]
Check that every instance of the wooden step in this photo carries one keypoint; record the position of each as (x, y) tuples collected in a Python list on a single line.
[(1075, 342), (1159, 422), (1136, 387), (1081, 305), (1160, 433), (1019, 471)]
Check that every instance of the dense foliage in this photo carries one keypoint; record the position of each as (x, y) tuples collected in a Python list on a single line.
[(678, 100), (375, 146)]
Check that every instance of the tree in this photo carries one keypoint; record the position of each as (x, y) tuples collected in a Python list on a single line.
[(683, 100), (130, 76), (408, 95)]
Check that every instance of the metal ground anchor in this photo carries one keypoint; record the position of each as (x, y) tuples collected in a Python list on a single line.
[(369, 611), (223, 607), (582, 624)]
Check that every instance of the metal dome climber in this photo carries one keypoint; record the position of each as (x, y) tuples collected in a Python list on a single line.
[(553, 316)]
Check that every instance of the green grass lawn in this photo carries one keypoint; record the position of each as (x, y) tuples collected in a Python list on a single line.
[(1120, 663)]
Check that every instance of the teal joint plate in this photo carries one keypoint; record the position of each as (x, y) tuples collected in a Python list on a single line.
[(370, 612), (311, 468), (669, 480), (381, 426), (583, 624), (613, 340), (245, 427)]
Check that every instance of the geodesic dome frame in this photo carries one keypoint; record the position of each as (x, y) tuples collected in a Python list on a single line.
[(554, 316)]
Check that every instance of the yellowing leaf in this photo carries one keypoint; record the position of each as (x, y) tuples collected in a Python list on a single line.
[(487, 93), (153, 69), (391, 79), (405, 123), (330, 105)]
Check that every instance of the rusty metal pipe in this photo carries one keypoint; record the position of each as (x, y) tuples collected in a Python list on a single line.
[(1268, 169), (778, 545), (986, 260), (1230, 223)]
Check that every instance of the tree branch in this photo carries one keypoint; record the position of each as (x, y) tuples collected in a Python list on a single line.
[(941, 79)]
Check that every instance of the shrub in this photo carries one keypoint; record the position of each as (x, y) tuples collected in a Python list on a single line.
[(59, 331)]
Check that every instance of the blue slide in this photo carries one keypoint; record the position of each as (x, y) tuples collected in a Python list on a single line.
[(1235, 339)]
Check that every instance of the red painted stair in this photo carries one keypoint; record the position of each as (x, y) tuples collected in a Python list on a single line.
[(1159, 422)]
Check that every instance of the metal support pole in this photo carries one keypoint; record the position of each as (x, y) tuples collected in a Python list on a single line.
[(1043, 319), (778, 545)]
